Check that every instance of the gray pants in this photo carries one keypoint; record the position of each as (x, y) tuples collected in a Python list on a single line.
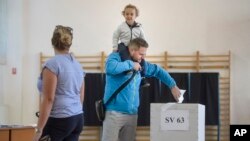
[(119, 127)]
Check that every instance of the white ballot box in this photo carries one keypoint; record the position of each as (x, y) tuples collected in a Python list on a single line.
[(177, 122)]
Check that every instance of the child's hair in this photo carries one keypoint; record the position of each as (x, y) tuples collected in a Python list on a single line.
[(131, 6), (62, 37)]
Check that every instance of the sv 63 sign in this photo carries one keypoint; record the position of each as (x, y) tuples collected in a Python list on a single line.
[(174, 119)]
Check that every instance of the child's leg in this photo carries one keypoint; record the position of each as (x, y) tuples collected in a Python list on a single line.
[(144, 82), (142, 68), (123, 52)]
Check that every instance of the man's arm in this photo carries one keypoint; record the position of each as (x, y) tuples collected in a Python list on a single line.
[(115, 66), (153, 70)]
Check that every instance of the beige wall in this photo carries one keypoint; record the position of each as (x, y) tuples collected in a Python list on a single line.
[(176, 26)]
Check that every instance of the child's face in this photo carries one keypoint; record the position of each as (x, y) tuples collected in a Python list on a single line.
[(130, 15)]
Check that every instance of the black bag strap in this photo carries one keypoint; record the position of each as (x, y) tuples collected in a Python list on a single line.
[(120, 88)]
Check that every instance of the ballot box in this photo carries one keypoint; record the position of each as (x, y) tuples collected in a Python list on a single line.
[(177, 122)]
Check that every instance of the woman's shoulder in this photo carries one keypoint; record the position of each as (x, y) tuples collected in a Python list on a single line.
[(53, 59)]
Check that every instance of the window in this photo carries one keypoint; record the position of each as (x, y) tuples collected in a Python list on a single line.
[(3, 31)]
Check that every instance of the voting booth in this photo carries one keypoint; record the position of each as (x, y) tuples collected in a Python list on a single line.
[(177, 122)]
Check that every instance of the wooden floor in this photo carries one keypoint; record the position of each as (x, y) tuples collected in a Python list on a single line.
[(93, 133)]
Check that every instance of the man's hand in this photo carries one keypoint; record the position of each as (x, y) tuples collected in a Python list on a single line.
[(137, 66), (176, 93)]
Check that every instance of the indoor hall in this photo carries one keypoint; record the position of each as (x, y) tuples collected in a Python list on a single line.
[(202, 44)]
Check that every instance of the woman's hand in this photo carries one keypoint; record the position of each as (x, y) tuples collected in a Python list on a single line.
[(38, 135)]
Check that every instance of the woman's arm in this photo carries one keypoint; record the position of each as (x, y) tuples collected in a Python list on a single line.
[(49, 88), (82, 91)]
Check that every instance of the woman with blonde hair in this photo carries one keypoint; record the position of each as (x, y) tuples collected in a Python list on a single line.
[(62, 87)]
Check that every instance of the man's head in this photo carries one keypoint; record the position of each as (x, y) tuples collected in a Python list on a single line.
[(137, 49)]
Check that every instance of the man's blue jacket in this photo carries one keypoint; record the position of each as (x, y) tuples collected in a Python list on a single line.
[(127, 101)]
